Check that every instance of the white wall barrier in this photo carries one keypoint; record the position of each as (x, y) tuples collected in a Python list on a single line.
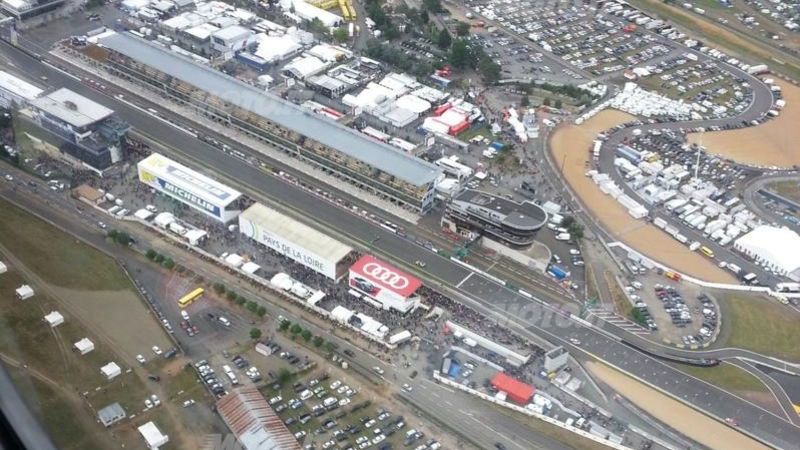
[(489, 398)]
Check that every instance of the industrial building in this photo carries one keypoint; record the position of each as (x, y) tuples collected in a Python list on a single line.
[(81, 128), (192, 188), (373, 166), (295, 240), (253, 422), (15, 91), (505, 220), (778, 249), (25, 9)]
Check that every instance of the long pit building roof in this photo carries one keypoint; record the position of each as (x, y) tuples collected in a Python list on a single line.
[(381, 156)]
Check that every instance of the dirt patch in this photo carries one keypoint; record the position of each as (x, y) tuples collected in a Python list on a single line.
[(119, 317), (686, 420), (570, 145), (773, 143)]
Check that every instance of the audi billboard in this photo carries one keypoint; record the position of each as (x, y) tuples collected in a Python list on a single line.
[(390, 286)]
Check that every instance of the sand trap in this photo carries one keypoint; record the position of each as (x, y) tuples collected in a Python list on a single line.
[(686, 420), (773, 143), (570, 145)]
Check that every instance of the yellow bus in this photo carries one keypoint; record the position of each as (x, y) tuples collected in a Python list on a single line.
[(707, 251), (187, 299)]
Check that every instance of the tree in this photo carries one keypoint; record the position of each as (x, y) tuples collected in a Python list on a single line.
[(284, 325), (261, 311), (151, 254), (567, 221), (219, 288), (329, 347), (112, 233), (169, 263), (558, 103), (316, 26), (231, 295), (122, 238), (524, 101), (341, 34), (433, 6), (546, 101), (462, 29), (317, 341), (490, 70), (306, 334), (255, 333), (443, 40), (295, 329), (252, 306), (159, 258), (240, 300), (459, 54), (424, 18), (284, 376)]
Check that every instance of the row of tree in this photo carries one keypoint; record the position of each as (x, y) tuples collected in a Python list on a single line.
[(240, 300), (158, 258), (296, 330)]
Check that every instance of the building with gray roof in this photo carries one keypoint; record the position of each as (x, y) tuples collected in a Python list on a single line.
[(370, 164), (503, 219), (111, 414), (80, 127)]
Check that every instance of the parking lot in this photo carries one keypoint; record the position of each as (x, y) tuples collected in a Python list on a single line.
[(589, 37)]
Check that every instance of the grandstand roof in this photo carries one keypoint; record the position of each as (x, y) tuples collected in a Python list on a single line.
[(381, 156)]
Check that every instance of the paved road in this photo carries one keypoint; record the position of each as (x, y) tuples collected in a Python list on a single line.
[(530, 317)]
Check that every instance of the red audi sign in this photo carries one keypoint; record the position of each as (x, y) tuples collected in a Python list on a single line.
[(371, 275)]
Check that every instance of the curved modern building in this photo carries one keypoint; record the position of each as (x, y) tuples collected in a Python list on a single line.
[(504, 220)]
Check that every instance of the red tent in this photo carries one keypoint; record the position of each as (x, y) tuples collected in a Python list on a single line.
[(515, 389)]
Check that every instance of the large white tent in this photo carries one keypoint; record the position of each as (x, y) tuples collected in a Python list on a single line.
[(111, 370), (777, 248)]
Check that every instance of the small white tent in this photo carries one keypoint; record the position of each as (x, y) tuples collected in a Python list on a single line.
[(84, 346), (111, 370), (24, 292), (54, 319), (3, 267)]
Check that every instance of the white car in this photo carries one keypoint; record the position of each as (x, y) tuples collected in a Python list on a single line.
[(336, 384), (344, 401), (155, 399), (342, 389), (378, 370), (147, 403), (188, 403), (574, 341), (407, 387), (141, 359), (574, 252), (156, 350)]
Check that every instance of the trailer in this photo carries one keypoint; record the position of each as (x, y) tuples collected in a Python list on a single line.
[(676, 203), (558, 272), (630, 154), (660, 223), (400, 337)]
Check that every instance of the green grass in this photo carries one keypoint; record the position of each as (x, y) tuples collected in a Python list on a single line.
[(728, 377), (483, 130), (55, 413), (86, 268), (788, 189), (762, 325)]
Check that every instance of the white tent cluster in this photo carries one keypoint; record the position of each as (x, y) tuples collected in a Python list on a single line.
[(609, 187), (640, 102)]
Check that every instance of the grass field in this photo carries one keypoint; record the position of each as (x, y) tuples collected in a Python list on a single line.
[(788, 189), (728, 377), (762, 325), (85, 268)]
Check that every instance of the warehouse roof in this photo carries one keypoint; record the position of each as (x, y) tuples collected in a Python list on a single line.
[(381, 156), (194, 182), (72, 108), (296, 232), (18, 86), (253, 421)]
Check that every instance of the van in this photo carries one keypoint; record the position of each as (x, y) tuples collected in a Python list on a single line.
[(224, 321), (305, 395), (563, 237), (707, 251)]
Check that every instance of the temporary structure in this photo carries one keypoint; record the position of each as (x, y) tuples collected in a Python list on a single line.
[(111, 370), (54, 319), (24, 292), (84, 346)]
